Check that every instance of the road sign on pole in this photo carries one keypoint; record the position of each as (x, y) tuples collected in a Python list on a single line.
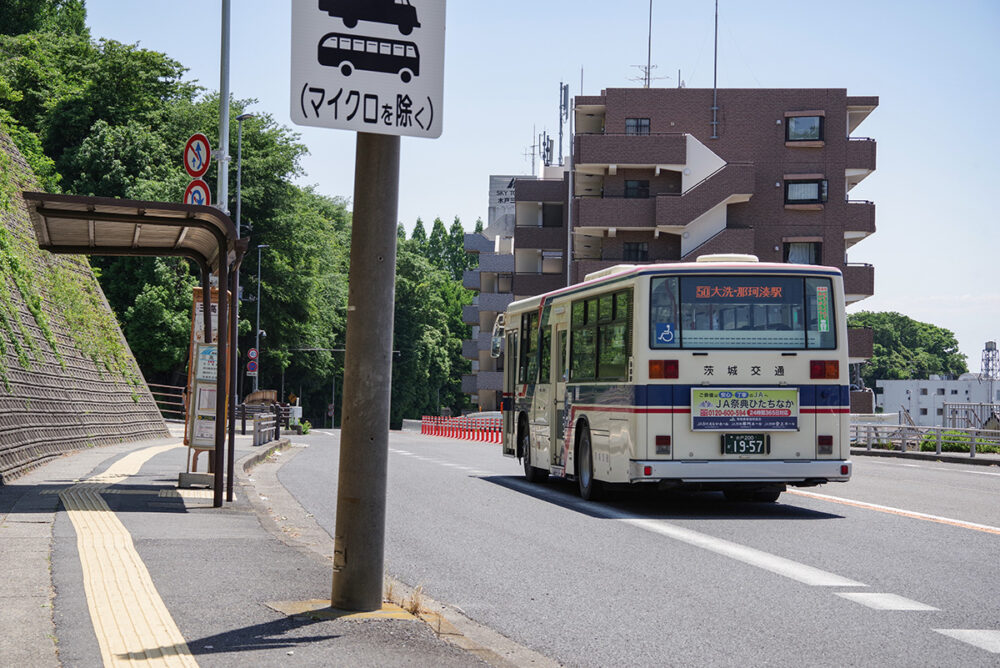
[(197, 155), (252, 353), (252, 368), (375, 66), (198, 193)]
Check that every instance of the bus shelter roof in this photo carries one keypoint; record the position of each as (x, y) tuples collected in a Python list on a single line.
[(82, 225)]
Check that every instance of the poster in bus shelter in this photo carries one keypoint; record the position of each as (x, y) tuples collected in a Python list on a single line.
[(744, 409)]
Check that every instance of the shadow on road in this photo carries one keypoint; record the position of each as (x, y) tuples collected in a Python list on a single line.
[(658, 505)]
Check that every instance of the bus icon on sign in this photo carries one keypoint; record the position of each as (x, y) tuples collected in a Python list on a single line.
[(371, 54), (394, 12)]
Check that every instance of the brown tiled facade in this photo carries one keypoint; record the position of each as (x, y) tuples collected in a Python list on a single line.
[(653, 180)]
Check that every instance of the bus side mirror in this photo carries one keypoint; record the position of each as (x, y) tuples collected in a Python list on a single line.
[(496, 347)]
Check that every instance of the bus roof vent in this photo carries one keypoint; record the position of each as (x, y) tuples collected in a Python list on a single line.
[(728, 257), (617, 269)]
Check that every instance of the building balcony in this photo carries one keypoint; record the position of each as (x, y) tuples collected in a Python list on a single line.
[(494, 302), (477, 243), (496, 264), (540, 237), (860, 344), (540, 190), (470, 279), (859, 282), (470, 383), (490, 381), (470, 349), (470, 314), (631, 150), (859, 221), (734, 181), (860, 154), (535, 284), (605, 212)]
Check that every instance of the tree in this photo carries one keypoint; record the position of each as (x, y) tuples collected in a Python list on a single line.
[(907, 349), (479, 226), (419, 235), (21, 16)]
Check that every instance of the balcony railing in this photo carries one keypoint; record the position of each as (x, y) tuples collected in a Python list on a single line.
[(859, 280), (860, 342), (621, 149), (860, 216), (861, 153), (732, 179)]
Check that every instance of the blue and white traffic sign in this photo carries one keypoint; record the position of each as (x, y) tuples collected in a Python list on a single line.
[(198, 193), (197, 155), (252, 353)]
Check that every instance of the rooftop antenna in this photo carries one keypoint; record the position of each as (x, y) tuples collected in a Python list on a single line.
[(647, 70), (563, 114), (715, 78), (991, 367), (530, 150)]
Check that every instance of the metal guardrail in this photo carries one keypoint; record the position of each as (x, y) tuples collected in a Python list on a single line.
[(170, 399), (903, 438)]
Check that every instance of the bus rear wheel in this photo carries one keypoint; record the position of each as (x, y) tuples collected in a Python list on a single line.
[(590, 488), (531, 474), (405, 75), (346, 69)]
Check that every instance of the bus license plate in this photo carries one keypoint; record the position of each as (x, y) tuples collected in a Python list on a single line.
[(744, 444)]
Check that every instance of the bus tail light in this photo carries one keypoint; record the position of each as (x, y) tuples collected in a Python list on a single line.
[(647, 470), (663, 369), (824, 369), (663, 445), (844, 469), (825, 444)]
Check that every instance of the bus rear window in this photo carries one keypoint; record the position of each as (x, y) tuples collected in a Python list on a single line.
[(742, 312)]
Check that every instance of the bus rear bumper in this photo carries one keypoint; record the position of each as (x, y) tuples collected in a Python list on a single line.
[(793, 472)]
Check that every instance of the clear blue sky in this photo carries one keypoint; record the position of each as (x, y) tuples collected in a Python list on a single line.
[(932, 64)]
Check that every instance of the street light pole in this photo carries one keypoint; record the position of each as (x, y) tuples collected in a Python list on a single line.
[(256, 378)]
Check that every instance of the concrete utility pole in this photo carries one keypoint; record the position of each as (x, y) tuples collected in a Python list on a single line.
[(359, 539), (223, 187)]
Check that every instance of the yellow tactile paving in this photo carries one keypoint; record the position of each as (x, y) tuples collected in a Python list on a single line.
[(132, 624)]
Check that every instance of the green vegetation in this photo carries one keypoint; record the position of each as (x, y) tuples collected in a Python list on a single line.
[(906, 348), (953, 440), (98, 117)]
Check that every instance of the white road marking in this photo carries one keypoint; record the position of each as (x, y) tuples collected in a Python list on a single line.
[(899, 511), (983, 639), (885, 601), (933, 468), (748, 555)]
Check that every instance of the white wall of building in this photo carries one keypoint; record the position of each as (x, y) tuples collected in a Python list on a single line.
[(925, 399)]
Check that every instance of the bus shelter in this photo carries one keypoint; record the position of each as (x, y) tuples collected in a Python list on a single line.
[(78, 225)]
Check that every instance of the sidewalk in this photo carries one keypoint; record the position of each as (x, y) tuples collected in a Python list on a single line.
[(104, 559), (981, 459)]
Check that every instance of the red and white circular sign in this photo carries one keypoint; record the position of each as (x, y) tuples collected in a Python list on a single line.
[(198, 193), (197, 155), (252, 353)]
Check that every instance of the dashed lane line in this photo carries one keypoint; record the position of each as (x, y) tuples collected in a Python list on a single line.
[(131, 622), (981, 638), (886, 601), (985, 528)]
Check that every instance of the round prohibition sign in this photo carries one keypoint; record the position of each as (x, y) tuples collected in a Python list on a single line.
[(197, 155), (252, 353), (198, 193), (252, 366)]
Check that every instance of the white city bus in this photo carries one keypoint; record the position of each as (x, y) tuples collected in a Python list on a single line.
[(723, 374)]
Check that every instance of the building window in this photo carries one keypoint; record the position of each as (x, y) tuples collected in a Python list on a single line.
[(804, 252), (923, 411), (940, 390), (804, 128), (552, 215), (806, 192), (634, 251), (954, 391), (637, 126), (636, 189), (923, 391)]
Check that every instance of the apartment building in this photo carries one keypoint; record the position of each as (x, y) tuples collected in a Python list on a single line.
[(666, 175)]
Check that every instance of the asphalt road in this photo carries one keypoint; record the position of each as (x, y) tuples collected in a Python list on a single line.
[(896, 568)]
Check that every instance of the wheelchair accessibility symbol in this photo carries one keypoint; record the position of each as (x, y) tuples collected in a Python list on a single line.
[(664, 332)]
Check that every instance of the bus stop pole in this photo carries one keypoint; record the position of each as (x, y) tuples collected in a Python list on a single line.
[(359, 537)]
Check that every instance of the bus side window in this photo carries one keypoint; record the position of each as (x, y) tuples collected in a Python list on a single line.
[(410, 51), (397, 50), (385, 49), (345, 43), (359, 45)]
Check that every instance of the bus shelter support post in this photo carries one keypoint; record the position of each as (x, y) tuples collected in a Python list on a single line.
[(359, 536)]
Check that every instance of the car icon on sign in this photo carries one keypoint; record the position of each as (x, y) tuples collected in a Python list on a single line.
[(399, 13)]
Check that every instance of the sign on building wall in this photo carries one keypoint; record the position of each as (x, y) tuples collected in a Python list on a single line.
[(500, 216), (369, 66)]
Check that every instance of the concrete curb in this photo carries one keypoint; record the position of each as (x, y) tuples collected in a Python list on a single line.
[(945, 457), (250, 461)]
